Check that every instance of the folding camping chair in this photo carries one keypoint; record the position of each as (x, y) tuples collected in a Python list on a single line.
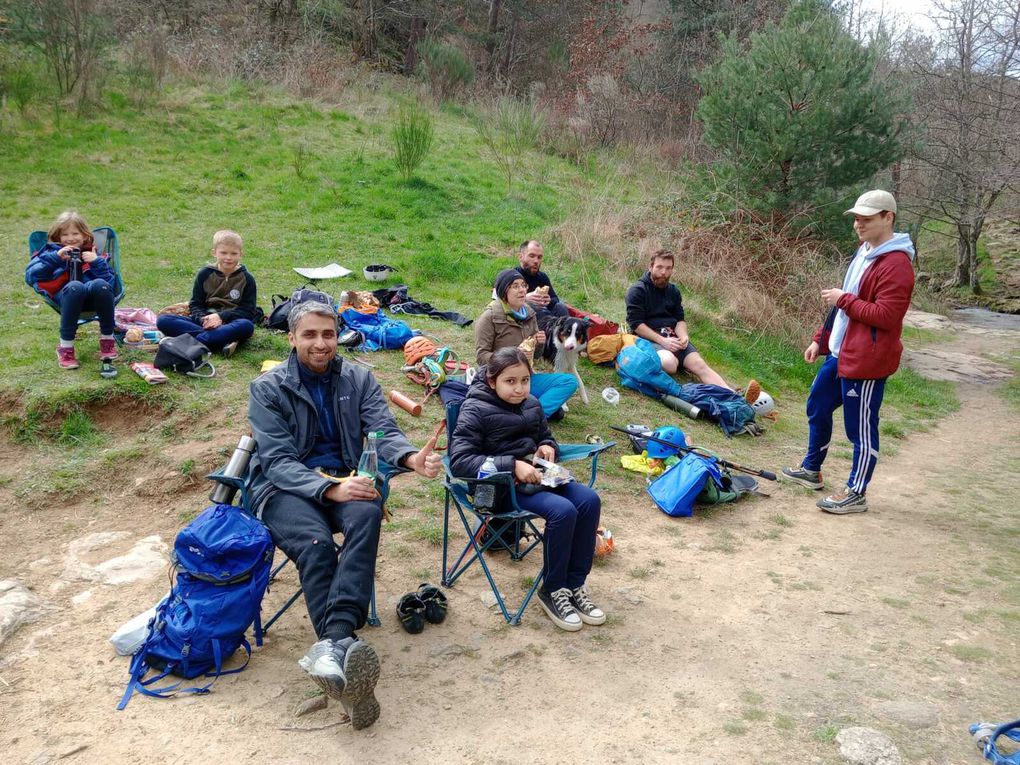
[(106, 245), (240, 484), (488, 530)]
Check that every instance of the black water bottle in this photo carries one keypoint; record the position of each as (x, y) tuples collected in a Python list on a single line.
[(74, 266)]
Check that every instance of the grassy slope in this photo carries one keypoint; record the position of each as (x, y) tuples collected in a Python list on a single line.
[(306, 186)]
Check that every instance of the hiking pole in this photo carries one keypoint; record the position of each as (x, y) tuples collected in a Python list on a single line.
[(766, 474)]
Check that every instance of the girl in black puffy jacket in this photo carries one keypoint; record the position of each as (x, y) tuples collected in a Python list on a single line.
[(500, 419)]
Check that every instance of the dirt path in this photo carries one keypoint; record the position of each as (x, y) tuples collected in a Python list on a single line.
[(749, 634)]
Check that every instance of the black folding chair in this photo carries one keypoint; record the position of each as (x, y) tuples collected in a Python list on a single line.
[(502, 529), (240, 484)]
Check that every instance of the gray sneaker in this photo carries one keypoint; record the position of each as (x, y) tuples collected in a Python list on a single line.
[(361, 669), (810, 478), (844, 503), (325, 665), (228, 349)]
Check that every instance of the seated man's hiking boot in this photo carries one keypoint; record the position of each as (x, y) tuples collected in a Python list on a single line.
[(325, 664), (361, 670), (585, 607), (558, 608), (66, 357), (752, 391), (810, 478), (844, 503)]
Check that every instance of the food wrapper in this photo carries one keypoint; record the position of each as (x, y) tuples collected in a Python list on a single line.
[(528, 346), (553, 475)]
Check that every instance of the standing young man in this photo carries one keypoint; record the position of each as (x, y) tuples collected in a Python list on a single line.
[(861, 338)]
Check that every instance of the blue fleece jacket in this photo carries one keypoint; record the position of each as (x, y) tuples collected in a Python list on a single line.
[(46, 265)]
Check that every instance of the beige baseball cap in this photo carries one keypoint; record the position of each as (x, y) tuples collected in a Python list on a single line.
[(872, 203)]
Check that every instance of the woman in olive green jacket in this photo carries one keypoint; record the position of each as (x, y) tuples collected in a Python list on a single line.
[(507, 322)]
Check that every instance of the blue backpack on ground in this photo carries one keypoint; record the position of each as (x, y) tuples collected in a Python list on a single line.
[(223, 559), (676, 490), (381, 332), (639, 369), (986, 736)]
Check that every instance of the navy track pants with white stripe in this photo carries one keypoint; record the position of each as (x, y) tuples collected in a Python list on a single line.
[(861, 400)]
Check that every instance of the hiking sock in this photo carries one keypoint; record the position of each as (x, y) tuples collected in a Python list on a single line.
[(66, 343), (340, 630)]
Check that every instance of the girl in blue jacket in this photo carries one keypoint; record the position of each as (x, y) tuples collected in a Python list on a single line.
[(501, 419), (77, 278)]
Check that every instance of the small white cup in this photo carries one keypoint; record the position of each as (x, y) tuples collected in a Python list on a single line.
[(611, 396)]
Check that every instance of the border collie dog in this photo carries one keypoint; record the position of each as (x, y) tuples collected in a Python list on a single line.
[(565, 339)]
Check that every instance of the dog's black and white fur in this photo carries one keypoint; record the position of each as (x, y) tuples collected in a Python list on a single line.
[(565, 338)]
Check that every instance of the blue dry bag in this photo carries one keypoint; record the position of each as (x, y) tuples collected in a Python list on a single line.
[(676, 489), (223, 559)]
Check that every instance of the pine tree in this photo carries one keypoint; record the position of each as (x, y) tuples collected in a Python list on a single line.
[(800, 114)]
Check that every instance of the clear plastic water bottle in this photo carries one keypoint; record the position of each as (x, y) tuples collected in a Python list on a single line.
[(485, 494), (368, 466)]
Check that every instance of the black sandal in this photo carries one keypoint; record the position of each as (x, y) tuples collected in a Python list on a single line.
[(435, 602), (411, 612)]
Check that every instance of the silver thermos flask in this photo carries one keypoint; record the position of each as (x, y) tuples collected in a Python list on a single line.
[(222, 494)]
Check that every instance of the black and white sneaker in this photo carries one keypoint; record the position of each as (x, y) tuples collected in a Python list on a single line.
[(810, 478), (325, 666), (844, 503), (586, 609), (558, 608), (361, 670)]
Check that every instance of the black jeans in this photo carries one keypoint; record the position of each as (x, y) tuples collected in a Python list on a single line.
[(336, 590)]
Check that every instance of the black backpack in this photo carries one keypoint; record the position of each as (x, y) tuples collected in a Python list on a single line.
[(277, 318), (184, 354)]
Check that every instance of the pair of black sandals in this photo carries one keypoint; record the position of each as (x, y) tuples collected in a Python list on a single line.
[(426, 604)]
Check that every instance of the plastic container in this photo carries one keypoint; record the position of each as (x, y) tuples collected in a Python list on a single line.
[(611, 396), (485, 494)]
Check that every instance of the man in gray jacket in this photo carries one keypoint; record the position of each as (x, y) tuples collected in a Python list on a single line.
[(308, 417)]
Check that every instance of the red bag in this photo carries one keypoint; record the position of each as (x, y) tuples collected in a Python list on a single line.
[(597, 325)]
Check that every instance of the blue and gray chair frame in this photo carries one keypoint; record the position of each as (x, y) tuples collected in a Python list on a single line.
[(106, 244), (386, 473), (484, 528)]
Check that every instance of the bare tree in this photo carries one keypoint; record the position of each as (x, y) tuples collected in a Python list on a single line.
[(969, 109)]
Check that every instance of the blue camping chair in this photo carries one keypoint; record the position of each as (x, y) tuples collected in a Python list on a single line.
[(512, 530), (240, 484), (107, 245)]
